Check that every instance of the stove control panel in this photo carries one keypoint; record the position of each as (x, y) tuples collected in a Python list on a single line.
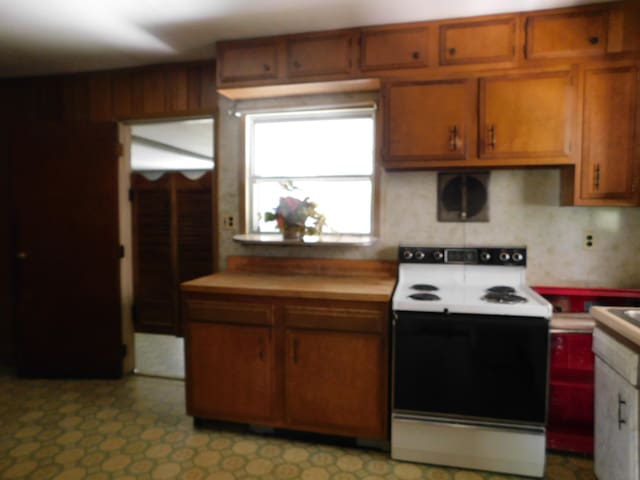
[(501, 256)]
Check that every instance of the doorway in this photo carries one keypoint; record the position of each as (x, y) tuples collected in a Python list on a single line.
[(170, 195)]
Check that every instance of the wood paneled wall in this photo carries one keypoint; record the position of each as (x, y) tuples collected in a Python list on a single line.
[(152, 92), (158, 91)]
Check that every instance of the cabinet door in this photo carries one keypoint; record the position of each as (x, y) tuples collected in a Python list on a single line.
[(616, 430), (428, 120), (478, 42), (526, 116), (333, 382), (247, 61), (609, 170), (567, 35), (230, 372), (319, 55), (390, 48)]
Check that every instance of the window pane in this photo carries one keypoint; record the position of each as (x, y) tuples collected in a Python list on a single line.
[(346, 204), (313, 147)]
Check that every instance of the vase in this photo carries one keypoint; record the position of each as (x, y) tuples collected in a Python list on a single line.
[(292, 232)]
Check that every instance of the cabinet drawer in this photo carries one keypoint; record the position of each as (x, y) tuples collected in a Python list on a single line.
[(394, 48), (567, 35), (345, 319), (247, 61), (227, 312), (319, 55), (478, 42)]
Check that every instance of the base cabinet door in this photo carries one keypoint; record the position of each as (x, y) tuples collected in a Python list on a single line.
[(230, 371), (332, 382), (616, 426)]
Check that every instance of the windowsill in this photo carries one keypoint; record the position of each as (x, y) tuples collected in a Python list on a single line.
[(307, 241)]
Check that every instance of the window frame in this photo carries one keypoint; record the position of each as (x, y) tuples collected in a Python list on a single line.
[(248, 179)]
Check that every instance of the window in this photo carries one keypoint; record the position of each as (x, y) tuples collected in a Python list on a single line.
[(327, 156)]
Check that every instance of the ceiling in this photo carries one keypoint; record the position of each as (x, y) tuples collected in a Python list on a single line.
[(40, 37)]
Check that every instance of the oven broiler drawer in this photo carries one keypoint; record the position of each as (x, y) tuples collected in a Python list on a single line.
[(508, 450)]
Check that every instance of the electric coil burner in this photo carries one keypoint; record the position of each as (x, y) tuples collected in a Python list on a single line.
[(470, 350)]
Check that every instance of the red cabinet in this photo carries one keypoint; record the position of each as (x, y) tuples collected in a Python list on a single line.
[(570, 420)]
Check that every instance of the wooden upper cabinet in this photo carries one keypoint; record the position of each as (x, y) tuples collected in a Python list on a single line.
[(567, 34), (429, 120), (246, 61), (608, 169), (527, 116), (390, 48), (323, 54), (478, 42)]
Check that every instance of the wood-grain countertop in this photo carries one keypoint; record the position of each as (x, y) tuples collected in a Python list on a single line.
[(626, 329), (356, 288)]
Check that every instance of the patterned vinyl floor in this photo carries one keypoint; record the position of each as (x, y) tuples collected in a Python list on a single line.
[(136, 428)]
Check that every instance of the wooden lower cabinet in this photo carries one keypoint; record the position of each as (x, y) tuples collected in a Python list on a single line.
[(231, 371), (322, 367)]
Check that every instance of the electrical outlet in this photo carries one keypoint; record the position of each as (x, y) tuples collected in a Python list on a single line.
[(229, 222), (589, 240)]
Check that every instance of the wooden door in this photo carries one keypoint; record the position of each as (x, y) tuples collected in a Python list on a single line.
[(392, 47), (246, 61), (526, 116), (478, 42), (66, 245), (172, 240), (572, 34), (315, 54), (428, 120), (230, 373), (155, 290), (609, 170), (333, 382)]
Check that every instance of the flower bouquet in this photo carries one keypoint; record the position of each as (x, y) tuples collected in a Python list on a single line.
[(296, 218)]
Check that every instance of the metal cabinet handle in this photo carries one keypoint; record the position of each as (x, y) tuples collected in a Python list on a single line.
[(415, 55), (452, 51), (492, 137), (594, 40), (621, 402), (453, 138), (266, 67), (296, 63), (596, 177)]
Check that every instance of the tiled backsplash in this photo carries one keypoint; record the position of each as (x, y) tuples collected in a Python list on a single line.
[(524, 209)]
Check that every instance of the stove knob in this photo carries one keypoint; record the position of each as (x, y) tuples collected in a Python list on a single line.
[(438, 255), (504, 257), (517, 257), (419, 255), (407, 254), (485, 256)]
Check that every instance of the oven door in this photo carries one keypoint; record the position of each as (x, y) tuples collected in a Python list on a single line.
[(487, 367)]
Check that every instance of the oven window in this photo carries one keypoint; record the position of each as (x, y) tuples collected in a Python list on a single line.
[(481, 366)]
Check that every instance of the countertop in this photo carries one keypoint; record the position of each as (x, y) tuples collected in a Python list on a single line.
[(356, 288), (572, 322), (626, 329)]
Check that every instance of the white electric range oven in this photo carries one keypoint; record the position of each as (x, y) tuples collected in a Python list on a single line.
[(470, 359)]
